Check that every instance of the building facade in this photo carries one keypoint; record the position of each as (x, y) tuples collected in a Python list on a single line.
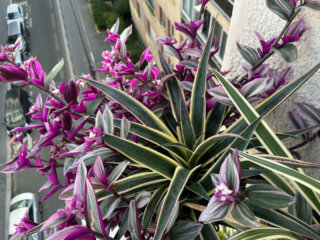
[(155, 18)]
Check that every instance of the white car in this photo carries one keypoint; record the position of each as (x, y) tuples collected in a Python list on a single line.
[(20, 205), (16, 32), (14, 13)]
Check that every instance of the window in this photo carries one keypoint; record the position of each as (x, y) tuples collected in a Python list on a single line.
[(226, 6), (152, 33), (217, 29), (140, 13), (150, 4), (223, 44), (188, 8), (162, 16), (206, 24), (171, 30)]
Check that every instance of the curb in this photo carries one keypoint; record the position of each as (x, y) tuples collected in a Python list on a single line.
[(9, 185), (64, 39)]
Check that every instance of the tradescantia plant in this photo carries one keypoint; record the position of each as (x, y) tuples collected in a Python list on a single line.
[(150, 158)]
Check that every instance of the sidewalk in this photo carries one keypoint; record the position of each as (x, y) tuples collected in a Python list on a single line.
[(77, 19)]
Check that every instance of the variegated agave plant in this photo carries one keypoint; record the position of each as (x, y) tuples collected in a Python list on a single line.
[(185, 178)]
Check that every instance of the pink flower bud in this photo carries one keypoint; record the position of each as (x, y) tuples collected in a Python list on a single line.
[(11, 73)]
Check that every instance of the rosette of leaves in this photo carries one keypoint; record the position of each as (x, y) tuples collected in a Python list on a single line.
[(185, 178)]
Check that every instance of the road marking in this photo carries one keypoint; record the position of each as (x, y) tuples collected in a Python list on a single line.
[(92, 58), (50, 4), (56, 42), (64, 38), (30, 22), (53, 20), (87, 39)]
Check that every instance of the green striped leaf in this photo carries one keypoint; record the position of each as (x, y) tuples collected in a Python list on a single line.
[(133, 221), (178, 182), (184, 230), (266, 233), (152, 206), (53, 73), (133, 183), (283, 220), (142, 155), (238, 143), (199, 190), (214, 120), (206, 145), (154, 136), (141, 112), (272, 102), (180, 111), (294, 163), (243, 215), (265, 135), (283, 170), (117, 171), (94, 214), (207, 231), (198, 100)]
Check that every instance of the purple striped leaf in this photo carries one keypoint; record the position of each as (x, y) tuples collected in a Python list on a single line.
[(133, 221), (297, 122), (73, 232), (220, 95), (94, 213), (192, 52), (301, 209), (289, 52), (315, 5), (282, 8), (190, 64), (55, 219), (256, 87), (244, 215), (108, 207), (171, 51), (99, 171), (308, 111), (268, 196), (248, 53), (187, 85), (125, 126), (142, 199), (215, 211), (80, 182)]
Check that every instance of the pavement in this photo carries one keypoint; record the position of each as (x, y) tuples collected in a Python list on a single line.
[(58, 29), (5, 193)]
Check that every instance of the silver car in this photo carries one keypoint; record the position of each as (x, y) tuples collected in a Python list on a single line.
[(20, 205)]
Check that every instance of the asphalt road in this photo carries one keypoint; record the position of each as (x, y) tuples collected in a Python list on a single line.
[(46, 43), (58, 29)]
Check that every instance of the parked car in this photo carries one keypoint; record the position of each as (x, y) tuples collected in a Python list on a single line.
[(17, 31), (18, 103), (14, 13), (20, 205)]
